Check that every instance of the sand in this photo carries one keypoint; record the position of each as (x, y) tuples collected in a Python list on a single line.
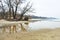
[(44, 34)]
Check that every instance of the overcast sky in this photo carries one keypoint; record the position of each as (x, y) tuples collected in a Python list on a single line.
[(50, 8)]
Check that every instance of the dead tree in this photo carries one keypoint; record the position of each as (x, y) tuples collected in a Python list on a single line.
[(8, 3), (13, 5), (17, 2), (3, 10), (25, 10)]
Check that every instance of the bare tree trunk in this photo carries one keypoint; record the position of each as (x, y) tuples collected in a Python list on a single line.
[(15, 11), (9, 9)]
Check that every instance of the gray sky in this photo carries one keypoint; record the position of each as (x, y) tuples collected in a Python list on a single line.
[(50, 8)]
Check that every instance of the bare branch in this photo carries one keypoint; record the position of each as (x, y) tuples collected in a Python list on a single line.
[(3, 10), (25, 9)]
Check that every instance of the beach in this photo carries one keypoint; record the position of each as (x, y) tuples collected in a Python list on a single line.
[(43, 34), (50, 31)]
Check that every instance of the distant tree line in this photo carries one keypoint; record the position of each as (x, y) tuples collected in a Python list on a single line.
[(9, 9)]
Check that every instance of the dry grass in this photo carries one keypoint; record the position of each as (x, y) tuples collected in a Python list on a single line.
[(45, 34)]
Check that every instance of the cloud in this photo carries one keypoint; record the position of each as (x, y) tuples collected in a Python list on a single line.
[(47, 7)]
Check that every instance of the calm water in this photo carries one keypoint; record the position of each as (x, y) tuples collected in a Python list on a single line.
[(51, 24), (43, 24)]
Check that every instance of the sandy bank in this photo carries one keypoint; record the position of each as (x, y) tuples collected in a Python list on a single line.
[(46, 34)]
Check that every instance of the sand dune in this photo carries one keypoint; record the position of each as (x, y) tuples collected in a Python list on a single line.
[(46, 34)]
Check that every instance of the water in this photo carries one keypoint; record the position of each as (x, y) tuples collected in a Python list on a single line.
[(47, 24), (36, 24)]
